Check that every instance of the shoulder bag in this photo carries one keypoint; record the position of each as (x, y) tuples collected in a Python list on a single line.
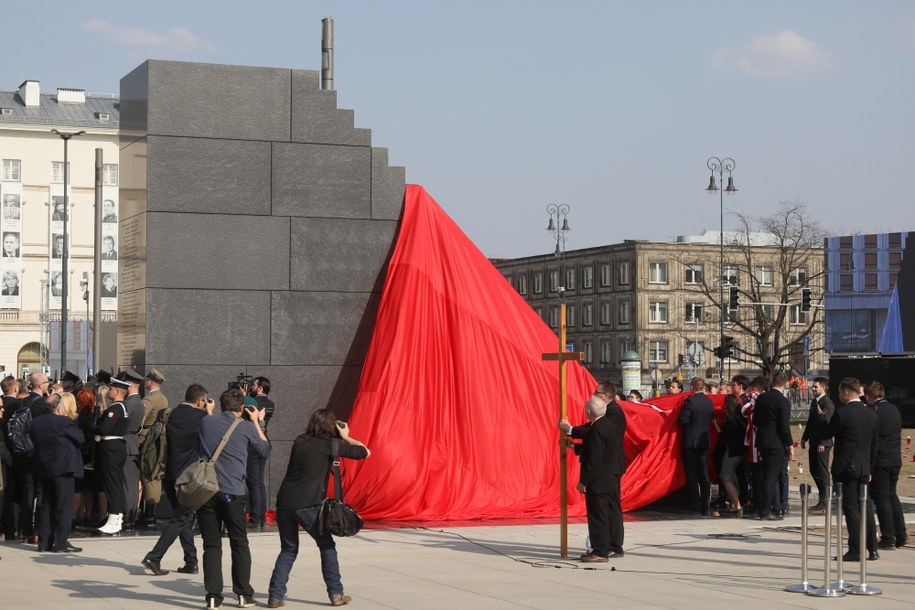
[(336, 517), (198, 482)]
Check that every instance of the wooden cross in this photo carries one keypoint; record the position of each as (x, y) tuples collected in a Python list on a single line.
[(562, 357)]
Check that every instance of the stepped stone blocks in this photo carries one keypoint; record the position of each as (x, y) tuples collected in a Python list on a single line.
[(256, 225)]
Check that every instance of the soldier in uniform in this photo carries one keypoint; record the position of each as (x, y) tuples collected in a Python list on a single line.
[(111, 453), (154, 404), (135, 411)]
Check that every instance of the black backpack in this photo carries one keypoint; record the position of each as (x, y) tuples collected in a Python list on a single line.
[(18, 426)]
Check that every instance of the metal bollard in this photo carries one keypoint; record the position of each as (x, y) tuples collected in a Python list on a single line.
[(803, 586), (863, 588), (830, 589)]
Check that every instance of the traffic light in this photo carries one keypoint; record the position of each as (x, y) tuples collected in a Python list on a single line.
[(806, 295), (717, 352), (727, 346), (680, 360), (734, 301)]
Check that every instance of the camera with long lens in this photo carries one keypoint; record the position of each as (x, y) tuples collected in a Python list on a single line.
[(242, 382)]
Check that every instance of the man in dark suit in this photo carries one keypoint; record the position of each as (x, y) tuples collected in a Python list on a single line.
[(854, 430), (885, 476), (602, 465), (181, 432), (772, 416), (695, 419), (821, 410), (58, 463)]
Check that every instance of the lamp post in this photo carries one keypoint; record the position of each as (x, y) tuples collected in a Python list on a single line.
[(84, 284), (65, 268), (720, 166)]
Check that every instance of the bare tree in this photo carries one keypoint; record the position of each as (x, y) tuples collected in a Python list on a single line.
[(774, 258)]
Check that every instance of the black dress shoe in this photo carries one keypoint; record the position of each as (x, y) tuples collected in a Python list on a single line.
[(901, 543), (43, 549), (615, 554), (69, 549), (775, 517), (153, 566), (849, 556), (873, 556), (887, 545), (187, 569), (592, 558)]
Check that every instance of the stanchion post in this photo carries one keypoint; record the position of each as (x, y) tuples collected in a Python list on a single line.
[(863, 588), (803, 586), (827, 590)]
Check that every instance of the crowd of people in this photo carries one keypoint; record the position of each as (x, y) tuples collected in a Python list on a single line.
[(70, 458)]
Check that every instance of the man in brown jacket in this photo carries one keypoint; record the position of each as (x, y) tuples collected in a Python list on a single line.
[(153, 404)]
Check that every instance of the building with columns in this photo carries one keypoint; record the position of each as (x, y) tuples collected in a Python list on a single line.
[(32, 222)]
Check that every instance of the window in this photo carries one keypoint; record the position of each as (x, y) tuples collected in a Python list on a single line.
[(870, 241), (587, 277), (894, 240), (589, 352), (57, 171), (554, 281), (730, 275), (570, 279), (587, 314), (538, 283), (522, 284), (11, 170), (109, 174), (623, 270), (870, 281), (846, 242), (606, 352), (845, 261), (694, 313), (625, 346), (846, 282), (870, 260), (624, 312), (606, 313), (693, 274), (764, 276), (798, 277), (539, 311), (657, 273), (657, 351), (893, 278), (570, 315), (768, 312), (796, 315), (605, 276), (554, 317), (895, 260), (657, 311)]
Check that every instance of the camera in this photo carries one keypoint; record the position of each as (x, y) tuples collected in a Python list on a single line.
[(242, 382)]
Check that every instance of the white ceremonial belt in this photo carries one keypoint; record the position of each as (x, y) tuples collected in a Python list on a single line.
[(108, 438)]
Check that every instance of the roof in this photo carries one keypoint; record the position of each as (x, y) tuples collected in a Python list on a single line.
[(50, 112)]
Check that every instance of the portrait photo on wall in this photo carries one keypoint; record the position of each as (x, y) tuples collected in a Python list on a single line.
[(59, 212), (10, 244), (11, 207), (109, 285), (109, 211), (57, 284), (10, 284), (57, 247), (109, 248)]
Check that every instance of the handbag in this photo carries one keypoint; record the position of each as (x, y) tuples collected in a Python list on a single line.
[(338, 518), (198, 482)]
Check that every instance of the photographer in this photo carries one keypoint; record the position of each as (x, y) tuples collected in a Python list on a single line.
[(257, 465), (298, 502)]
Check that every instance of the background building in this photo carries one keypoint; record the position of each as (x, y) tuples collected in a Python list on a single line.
[(660, 300), (31, 192)]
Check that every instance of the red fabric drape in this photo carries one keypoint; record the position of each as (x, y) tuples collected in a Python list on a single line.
[(456, 403)]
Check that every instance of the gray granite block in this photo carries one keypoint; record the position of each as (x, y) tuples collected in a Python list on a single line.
[(321, 328), (133, 104), (221, 252), (213, 326), (339, 255), (321, 181), (316, 118), (218, 101), (388, 185), (208, 176), (132, 178)]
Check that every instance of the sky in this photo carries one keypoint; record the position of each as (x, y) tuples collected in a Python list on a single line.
[(501, 108)]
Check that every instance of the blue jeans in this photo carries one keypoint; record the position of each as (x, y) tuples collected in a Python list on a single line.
[(287, 522)]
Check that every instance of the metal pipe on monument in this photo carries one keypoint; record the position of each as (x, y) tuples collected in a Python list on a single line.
[(327, 54)]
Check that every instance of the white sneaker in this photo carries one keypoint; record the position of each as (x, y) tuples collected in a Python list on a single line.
[(246, 602)]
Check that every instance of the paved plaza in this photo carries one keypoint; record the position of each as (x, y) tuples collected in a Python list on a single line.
[(670, 562)]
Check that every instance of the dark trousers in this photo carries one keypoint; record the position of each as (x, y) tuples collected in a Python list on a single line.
[(109, 465), (819, 469), (257, 491), (851, 507), (695, 465), (18, 499), (773, 460), (780, 501), (55, 512), (605, 521), (882, 490), (288, 521), (131, 484), (180, 527), (219, 511)]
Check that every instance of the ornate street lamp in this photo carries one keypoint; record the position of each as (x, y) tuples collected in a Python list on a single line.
[(720, 166)]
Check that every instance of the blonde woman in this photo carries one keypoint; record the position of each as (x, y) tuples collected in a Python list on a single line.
[(67, 405)]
